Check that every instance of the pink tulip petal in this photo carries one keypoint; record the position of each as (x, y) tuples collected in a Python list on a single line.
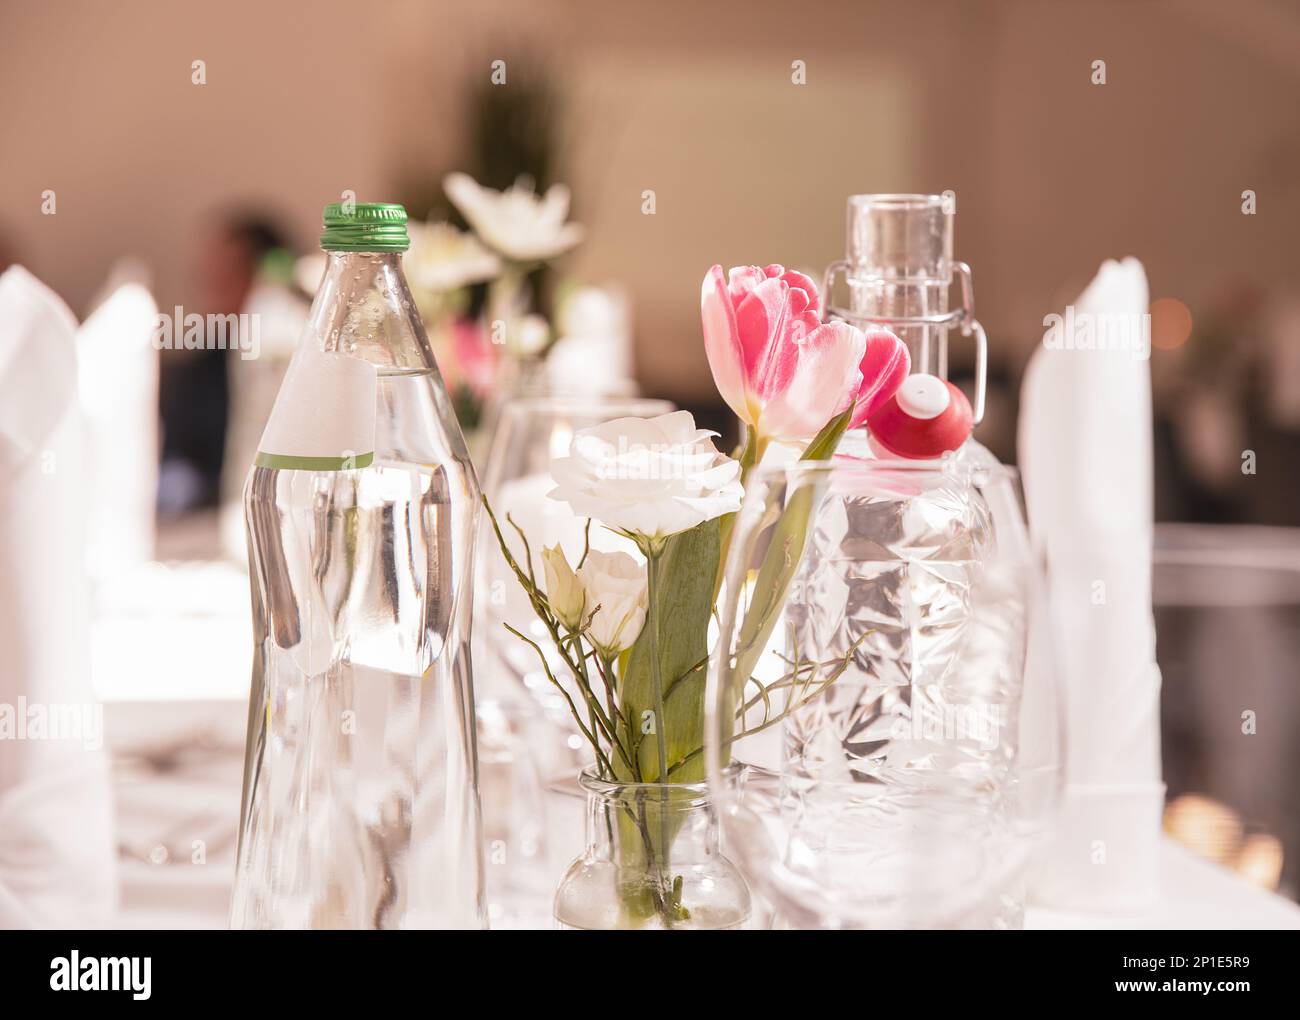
[(804, 302), (800, 302), (761, 318), (885, 365), (797, 280), (741, 280), (722, 343), (825, 381)]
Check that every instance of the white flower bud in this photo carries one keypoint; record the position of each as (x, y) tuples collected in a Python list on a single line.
[(563, 589)]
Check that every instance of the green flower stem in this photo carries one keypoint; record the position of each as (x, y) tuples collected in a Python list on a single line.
[(606, 669), (661, 716), (592, 739), (658, 884), (783, 555), (591, 718), (542, 609), (755, 447), (600, 722), (656, 671)]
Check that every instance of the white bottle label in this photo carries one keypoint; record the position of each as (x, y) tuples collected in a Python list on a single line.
[(324, 415)]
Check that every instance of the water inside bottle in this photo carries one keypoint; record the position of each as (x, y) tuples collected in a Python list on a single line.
[(361, 810)]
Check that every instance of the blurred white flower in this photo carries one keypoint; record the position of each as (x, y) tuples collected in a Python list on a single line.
[(442, 258), (647, 478), (529, 335), (517, 223), (615, 586), (563, 588)]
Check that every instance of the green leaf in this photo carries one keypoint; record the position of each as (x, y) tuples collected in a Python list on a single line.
[(687, 568), (781, 560), (823, 445)]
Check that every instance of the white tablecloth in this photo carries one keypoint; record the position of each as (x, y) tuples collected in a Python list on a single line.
[(175, 722), (177, 775)]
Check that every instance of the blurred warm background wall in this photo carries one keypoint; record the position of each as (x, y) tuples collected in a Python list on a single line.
[(695, 102)]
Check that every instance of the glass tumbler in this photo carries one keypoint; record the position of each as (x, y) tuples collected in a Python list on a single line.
[(864, 709)]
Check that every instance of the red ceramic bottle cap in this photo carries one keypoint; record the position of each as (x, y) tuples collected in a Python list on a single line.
[(926, 418)]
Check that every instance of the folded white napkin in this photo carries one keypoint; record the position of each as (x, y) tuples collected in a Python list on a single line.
[(1085, 454), (126, 269), (119, 398), (57, 860)]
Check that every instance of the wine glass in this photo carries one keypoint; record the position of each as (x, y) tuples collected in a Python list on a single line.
[(532, 432), (865, 737)]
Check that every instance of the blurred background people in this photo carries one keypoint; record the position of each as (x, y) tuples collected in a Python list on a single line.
[(194, 394)]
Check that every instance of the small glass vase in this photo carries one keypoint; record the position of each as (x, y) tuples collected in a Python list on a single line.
[(624, 881)]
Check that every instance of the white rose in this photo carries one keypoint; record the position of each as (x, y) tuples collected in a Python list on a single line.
[(647, 478), (563, 588), (615, 587), (516, 222)]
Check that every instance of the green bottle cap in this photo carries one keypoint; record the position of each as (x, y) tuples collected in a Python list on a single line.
[(365, 226)]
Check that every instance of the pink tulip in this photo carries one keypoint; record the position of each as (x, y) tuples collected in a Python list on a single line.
[(783, 371)]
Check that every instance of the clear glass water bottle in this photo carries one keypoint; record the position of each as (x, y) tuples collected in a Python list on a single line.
[(360, 805), (915, 569)]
